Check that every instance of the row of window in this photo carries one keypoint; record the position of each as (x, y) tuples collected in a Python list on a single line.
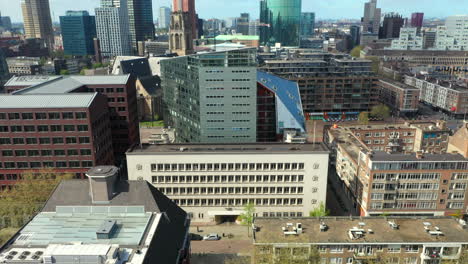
[(234, 190), (227, 166), (106, 90), (45, 152), (238, 202), (43, 115), (462, 165), (45, 164), (406, 176), (404, 205), (405, 186), (45, 141), (391, 134), (45, 128), (229, 178), (405, 196)]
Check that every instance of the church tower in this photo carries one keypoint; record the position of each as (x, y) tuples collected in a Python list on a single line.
[(180, 34)]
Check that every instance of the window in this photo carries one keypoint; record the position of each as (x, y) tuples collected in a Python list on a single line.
[(83, 140), (42, 128), (57, 140), (27, 116), (336, 261), (70, 140), (41, 116), (67, 115), (20, 153), (5, 141), (394, 249), (16, 128), (72, 152), (54, 115), (4, 129), (18, 141), (82, 128), (74, 164), (81, 115), (61, 164), (59, 152), (44, 140), (13, 116), (85, 152), (68, 128), (411, 248), (33, 153), (46, 152), (55, 128), (31, 141)]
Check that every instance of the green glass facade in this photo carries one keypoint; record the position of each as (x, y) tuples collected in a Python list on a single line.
[(78, 31), (307, 24), (211, 98), (281, 20)]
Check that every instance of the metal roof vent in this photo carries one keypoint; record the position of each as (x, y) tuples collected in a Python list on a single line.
[(106, 229)]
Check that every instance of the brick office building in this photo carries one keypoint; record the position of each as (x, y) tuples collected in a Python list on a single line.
[(120, 92), (70, 133)]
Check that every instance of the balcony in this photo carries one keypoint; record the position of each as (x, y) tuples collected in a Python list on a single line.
[(365, 255)]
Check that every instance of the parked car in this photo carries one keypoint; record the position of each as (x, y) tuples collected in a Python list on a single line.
[(212, 237), (195, 237)]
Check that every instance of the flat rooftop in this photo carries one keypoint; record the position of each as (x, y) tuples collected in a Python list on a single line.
[(398, 85), (348, 141), (81, 100), (30, 80), (381, 156), (411, 230), (228, 148)]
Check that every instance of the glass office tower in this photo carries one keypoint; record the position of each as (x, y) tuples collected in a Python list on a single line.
[(280, 22)]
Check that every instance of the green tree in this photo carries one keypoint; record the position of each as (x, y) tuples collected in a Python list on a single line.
[(27, 196), (380, 111), (247, 217), (356, 51), (286, 255), (97, 65), (363, 118), (319, 211), (64, 72)]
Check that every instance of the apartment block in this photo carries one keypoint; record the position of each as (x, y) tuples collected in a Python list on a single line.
[(121, 100), (69, 133), (409, 39), (21, 66), (401, 98), (214, 182), (214, 100), (449, 96), (411, 174), (352, 240), (329, 84)]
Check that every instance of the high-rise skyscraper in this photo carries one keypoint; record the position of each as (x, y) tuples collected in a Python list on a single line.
[(417, 20), (78, 32), (355, 31), (189, 7), (391, 26), (280, 22), (140, 21), (307, 24), (164, 17), (454, 35), (243, 24), (37, 20), (371, 19), (112, 28)]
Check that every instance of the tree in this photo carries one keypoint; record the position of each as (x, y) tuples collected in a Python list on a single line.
[(356, 51), (247, 217), (97, 65), (380, 111), (321, 210), (288, 254), (363, 118), (27, 196), (64, 72)]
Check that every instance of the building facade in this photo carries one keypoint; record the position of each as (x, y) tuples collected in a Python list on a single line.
[(164, 17), (112, 27), (4, 72), (188, 6), (78, 32), (391, 26), (348, 240), (307, 24), (214, 99), (417, 20), (180, 34), (140, 22), (67, 133), (283, 20), (214, 182), (371, 19), (401, 98), (22, 66), (454, 35), (409, 39), (243, 23), (37, 20)]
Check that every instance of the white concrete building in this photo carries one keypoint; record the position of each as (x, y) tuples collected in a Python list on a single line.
[(214, 182), (112, 28), (409, 40), (454, 35)]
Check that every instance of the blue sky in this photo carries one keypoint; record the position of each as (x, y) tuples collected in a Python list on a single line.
[(230, 8)]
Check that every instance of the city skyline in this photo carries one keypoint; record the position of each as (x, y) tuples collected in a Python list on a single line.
[(333, 9)]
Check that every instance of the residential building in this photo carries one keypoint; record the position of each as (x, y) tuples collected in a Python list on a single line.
[(247, 40), (78, 32), (331, 86), (164, 17), (347, 240), (242, 25), (409, 39), (279, 108), (108, 220), (21, 66), (283, 18), (216, 101), (454, 35), (391, 26), (402, 99), (70, 133), (400, 169), (417, 20), (307, 24), (188, 6), (180, 34), (213, 183), (140, 22), (459, 141), (368, 38), (37, 21), (120, 92), (112, 28), (429, 39), (371, 20), (449, 96)]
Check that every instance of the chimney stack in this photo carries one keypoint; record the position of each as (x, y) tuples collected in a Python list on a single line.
[(101, 183)]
